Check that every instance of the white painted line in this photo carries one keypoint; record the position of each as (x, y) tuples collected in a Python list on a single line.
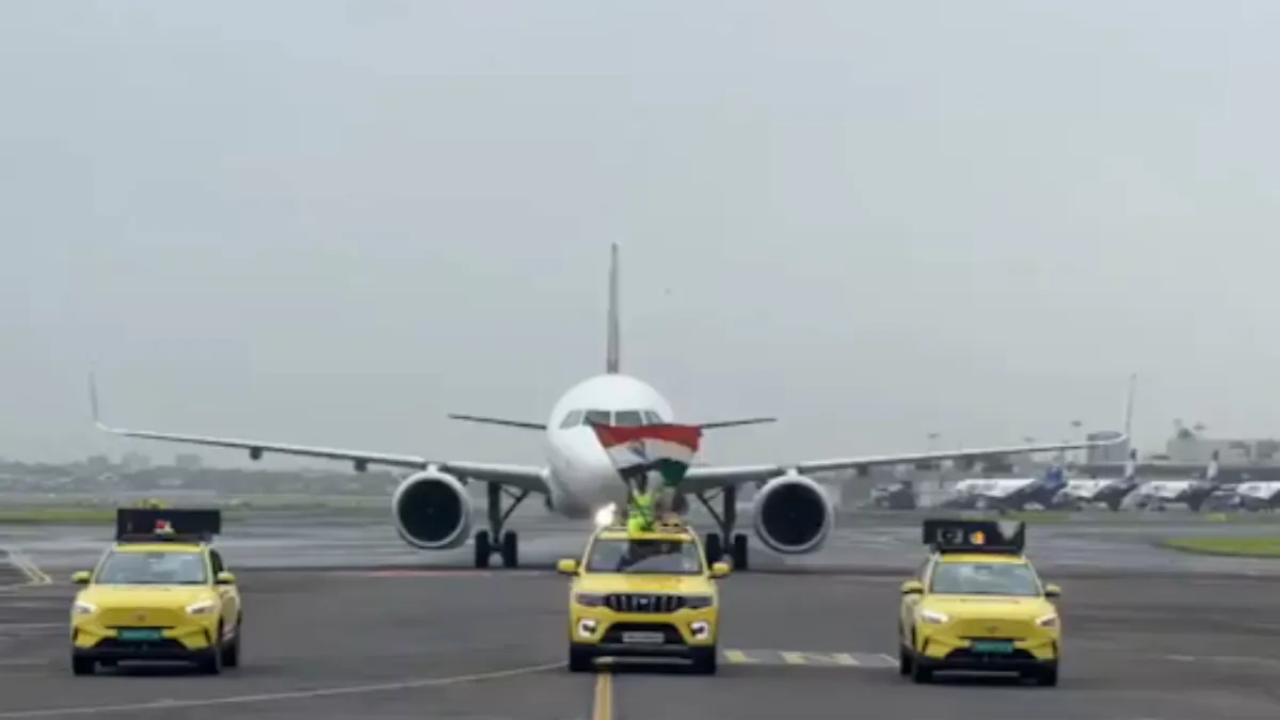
[(282, 696)]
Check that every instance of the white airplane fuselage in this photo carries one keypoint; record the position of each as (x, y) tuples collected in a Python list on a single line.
[(580, 477)]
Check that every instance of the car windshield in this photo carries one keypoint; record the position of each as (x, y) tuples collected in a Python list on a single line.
[(984, 579), (153, 568), (645, 557)]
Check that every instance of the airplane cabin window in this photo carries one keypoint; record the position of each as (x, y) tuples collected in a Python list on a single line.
[(628, 418), (573, 419), (599, 417)]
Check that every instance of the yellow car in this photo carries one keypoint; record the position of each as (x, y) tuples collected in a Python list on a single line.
[(643, 594), (158, 594), (977, 604)]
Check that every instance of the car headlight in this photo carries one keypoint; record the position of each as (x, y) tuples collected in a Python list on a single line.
[(83, 608), (933, 617), (589, 599), (587, 627), (698, 602), (204, 607), (1048, 621)]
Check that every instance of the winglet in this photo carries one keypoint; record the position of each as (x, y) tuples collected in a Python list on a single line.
[(612, 362)]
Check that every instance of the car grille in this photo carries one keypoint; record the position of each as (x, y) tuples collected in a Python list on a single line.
[(155, 646), (141, 618), (978, 629), (635, 603), (968, 654), (670, 636)]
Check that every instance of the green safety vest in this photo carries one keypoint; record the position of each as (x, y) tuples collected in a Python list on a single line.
[(640, 517)]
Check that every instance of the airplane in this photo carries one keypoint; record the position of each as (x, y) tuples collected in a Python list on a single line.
[(1109, 491), (432, 510), (1006, 494), (1157, 494), (1256, 496)]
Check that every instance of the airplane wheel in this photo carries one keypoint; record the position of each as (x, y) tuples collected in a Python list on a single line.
[(510, 549), (714, 549), (739, 552), (483, 549)]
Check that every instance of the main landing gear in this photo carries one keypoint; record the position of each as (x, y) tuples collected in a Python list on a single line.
[(725, 520), (508, 546)]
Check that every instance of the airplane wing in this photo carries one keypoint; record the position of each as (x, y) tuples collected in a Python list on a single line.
[(524, 477), (701, 479)]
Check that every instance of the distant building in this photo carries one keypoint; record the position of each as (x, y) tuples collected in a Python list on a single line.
[(134, 461), (1188, 447), (1117, 453), (188, 461)]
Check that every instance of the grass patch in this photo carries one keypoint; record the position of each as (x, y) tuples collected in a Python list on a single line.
[(1257, 547)]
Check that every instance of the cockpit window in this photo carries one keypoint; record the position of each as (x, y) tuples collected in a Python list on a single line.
[(628, 418), (599, 417), (573, 419), (652, 418)]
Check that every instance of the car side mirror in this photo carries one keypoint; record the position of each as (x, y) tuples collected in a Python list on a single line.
[(81, 578), (225, 578), (912, 587), (1052, 591), (567, 567), (720, 569)]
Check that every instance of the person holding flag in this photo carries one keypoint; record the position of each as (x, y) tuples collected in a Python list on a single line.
[(638, 453)]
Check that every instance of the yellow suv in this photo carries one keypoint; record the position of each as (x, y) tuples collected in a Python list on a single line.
[(643, 594), (159, 593), (977, 604)]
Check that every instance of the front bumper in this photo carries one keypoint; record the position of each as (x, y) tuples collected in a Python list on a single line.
[(940, 652), (682, 634), (92, 640)]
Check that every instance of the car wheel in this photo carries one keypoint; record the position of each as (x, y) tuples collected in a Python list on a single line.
[(1048, 677), (920, 674), (211, 662), (231, 653), (580, 660), (82, 666), (705, 661), (904, 660)]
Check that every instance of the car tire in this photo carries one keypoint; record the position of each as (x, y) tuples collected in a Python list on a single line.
[(581, 660), (1047, 677), (920, 674), (210, 662), (231, 653), (705, 661), (82, 666), (904, 660)]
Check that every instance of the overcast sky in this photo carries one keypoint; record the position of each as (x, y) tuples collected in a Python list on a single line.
[(333, 222)]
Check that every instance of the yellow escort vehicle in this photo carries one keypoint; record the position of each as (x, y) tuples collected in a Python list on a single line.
[(160, 593), (977, 604), (644, 594)]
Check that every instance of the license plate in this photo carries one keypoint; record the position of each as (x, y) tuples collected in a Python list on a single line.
[(994, 647), (642, 638), (140, 635)]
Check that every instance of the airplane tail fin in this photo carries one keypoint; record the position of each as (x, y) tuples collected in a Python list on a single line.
[(613, 350), (1211, 470)]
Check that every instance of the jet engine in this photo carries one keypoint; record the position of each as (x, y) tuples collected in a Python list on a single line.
[(793, 515), (432, 511)]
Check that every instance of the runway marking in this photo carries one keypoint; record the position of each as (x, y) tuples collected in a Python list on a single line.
[(808, 658), (34, 575), (602, 704), (280, 696)]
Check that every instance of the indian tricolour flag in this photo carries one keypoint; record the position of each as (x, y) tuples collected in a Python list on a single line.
[(665, 449)]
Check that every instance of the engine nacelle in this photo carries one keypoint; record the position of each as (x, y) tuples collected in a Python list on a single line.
[(432, 511), (793, 515)]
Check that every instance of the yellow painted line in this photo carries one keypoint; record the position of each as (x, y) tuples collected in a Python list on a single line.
[(812, 658), (737, 656), (282, 696), (602, 707)]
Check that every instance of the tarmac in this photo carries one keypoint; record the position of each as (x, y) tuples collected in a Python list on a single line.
[(798, 642)]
